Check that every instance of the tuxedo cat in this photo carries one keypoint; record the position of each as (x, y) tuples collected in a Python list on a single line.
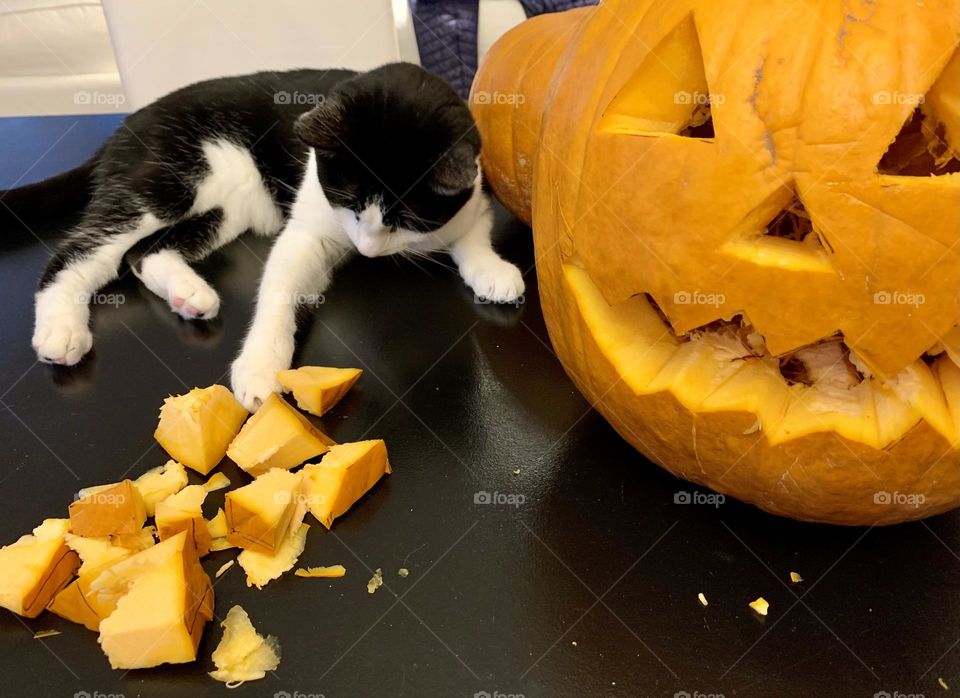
[(384, 163)]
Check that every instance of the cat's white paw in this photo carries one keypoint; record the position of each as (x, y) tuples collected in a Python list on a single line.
[(496, 281), (62, 340), (253, 376), (193, 299), (168, 275)]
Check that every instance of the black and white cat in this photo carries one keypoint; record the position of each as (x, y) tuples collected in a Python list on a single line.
[(385, 163)]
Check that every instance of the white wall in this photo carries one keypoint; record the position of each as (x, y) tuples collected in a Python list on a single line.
[(58, 56), (164, 44), (55, 58)]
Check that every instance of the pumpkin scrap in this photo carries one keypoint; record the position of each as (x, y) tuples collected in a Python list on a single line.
[(181, 512), (262, 568), (158, 483), (331, 572), (760, 605), (217, 481), (243, 654), (376, 581)]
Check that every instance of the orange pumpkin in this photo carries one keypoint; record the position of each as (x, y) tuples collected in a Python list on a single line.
[(747, 226)]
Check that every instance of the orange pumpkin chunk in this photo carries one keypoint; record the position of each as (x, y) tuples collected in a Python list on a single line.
[(105, 510), (260, 515), (346, 473), (35, 568), (318, 388), (196, 428), (165, 598), (277, 436)]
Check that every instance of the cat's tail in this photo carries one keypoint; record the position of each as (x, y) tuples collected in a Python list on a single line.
[(32, 204)]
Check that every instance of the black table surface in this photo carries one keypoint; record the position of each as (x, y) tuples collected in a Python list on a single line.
[(584, 584)]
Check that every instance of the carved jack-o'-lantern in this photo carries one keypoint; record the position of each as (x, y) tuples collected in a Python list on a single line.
[(747, 227)]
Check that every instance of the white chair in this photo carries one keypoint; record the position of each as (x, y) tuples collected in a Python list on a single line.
[(55, 58)]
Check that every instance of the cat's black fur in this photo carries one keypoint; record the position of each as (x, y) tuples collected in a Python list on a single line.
[(369, 145)]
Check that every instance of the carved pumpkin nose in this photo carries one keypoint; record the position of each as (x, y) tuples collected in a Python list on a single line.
[(775, 181)]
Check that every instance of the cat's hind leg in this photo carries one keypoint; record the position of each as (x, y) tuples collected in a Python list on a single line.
[(162, 263), (87, 260)]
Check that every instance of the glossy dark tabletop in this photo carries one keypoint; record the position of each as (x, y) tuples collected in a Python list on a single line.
[(580, 579)]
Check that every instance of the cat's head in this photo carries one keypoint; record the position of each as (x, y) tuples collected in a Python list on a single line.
[(396, 153)]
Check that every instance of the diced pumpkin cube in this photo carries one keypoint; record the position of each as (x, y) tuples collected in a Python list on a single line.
[(165, 600), (76, 602), (262, 568), (158, 483), (344, 475), (196, 428), (318, 388), (182, 512), (277, 436), (35, 568), (260, 515), (107, 510)]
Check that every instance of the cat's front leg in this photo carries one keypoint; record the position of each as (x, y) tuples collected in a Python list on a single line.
[(491, 277), (299, 268)]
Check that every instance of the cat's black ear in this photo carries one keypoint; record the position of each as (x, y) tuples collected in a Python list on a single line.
[(321, 127), (456, 171)]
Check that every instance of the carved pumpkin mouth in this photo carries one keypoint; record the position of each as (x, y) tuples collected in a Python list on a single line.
[(725, 366)]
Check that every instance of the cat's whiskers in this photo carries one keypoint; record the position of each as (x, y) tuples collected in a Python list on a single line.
[(426, 256)]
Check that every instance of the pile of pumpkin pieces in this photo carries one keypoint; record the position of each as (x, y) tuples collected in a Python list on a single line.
[(142, 586)]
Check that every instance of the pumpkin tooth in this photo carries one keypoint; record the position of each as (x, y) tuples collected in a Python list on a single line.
[(948, 372), (918, 386)]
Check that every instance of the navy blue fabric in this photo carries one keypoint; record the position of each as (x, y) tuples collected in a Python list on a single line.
[(447, 34), (542, 7), (447, 39)]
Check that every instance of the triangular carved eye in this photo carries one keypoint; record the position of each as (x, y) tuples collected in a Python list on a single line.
[(794, 223), (700, 124), (785, 237), (920, 149), (667, 93)]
